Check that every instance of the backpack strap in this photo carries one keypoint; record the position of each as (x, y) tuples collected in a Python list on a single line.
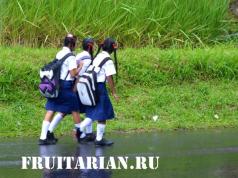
[(66, 56), (63, 59), (104, 61), (85, 57)]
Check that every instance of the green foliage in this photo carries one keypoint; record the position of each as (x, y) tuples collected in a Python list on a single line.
[(186, 88), (133, 23), (154, 67)]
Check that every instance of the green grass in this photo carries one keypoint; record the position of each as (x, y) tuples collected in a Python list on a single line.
[(186, 88), (133, 23)]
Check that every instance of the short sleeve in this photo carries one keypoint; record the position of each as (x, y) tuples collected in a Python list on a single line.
[(72, 63), (86, 63), (109, 68)]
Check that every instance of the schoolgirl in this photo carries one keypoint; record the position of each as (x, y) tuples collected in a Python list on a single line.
[(103, 110), (66, 102), (83, 59)]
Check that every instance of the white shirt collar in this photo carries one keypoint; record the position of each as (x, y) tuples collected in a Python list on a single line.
[(105, 52), (65, 48), (86, 52)]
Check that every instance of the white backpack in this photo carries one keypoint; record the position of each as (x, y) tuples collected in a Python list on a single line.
[(87, 84)]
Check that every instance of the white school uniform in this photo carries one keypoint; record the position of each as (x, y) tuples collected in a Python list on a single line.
[(86, 58), (67, 101), (69, 64), (103, 109), (107, 69)]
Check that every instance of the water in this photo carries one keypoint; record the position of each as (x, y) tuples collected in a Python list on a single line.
[(197, 154)]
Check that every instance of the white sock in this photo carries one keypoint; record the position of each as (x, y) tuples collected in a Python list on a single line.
[(89, 128), (87, 121), (56, 120), (44, 129), (78, 127), (100, 131)]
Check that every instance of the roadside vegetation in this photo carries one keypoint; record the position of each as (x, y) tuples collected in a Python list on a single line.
[(160, 23), (178, 64), (159, 89)]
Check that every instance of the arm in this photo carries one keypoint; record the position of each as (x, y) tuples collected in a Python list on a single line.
[(73, 67), (74, 72), (77, 74), (112, 87)]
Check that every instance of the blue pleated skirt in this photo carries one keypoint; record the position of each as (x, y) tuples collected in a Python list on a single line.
[(103, 109), (82, 108), (67, 100)]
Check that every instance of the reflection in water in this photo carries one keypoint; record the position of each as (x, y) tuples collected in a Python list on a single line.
[(82, 150), (202, 153)]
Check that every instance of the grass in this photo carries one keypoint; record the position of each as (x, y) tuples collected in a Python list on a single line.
[(133, 23), (185, 88)]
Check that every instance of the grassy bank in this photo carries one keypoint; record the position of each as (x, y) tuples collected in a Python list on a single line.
[(185, 88), (133, 23)]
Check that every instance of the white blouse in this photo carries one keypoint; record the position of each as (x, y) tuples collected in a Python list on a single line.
[(107, 69), (86, 58), (69, 64)]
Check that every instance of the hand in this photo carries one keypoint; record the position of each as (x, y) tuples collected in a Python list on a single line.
[(79, 69), (116, 97), (80, 65)]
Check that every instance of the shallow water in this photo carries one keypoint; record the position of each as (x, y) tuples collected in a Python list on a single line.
[(197, 154)]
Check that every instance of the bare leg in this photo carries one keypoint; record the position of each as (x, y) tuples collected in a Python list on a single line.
[(49, 116), (79, 134), (76, 117), (56, 120), (102, 122), (46, 123)]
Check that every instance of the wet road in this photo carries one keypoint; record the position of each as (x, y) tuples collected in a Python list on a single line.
[(197, 154)]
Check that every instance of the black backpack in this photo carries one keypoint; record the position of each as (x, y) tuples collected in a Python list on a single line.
[(50, 77)]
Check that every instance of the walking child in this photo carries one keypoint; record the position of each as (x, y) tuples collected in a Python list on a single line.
[(66, 102), (83, 59), (103, 110)]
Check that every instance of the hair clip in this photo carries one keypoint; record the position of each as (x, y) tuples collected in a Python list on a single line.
[(114, 45), (69, 35)]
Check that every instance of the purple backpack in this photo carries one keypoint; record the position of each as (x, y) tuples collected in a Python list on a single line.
[(50, 76)]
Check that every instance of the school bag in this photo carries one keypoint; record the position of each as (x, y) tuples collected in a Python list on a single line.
[(87, 84), (50, 76)]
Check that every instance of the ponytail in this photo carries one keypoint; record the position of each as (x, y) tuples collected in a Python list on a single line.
[(110, 46), (90, 50), (91, 53), (99, 49), (87, 45), (116, 63)]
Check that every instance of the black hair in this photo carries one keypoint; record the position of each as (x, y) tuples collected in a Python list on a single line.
[(99, 49), (87, 45), (70, 40), (109, 45)]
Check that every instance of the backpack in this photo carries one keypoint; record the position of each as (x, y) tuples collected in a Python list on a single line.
[(87, 84), (50, 77)]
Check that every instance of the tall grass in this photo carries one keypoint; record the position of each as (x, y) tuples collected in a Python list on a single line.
[(133, 23)]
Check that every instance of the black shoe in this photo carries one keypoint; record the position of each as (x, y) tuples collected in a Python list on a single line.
[(78, 134), (103, 142), (51, 137), (90, 137), (44, 142)]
